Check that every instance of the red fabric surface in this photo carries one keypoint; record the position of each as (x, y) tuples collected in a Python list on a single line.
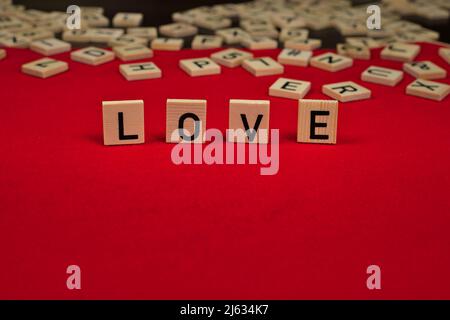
[(141, 227)]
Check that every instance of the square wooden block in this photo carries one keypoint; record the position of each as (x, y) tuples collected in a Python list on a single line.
[(212, 22), (206, 42), (134, 52), (346, 91), (123, 122), (148, 33), (445, 54), (294, 57), (49, 47), (379, 75), (331, 62), (250, 121), (185, 120), (167, 44), (2, 54), (400, 52), (262, 66), (127, 19), (428, 89), (259, 43), (289, 88), (293, 33), (317, 121), (231, 58), (303, 44), (140, 71), (127, 40), (353, 51), (363, 42), (424, 70), (103, 35), (232, 35), (44, 68), (178, 30), (14, 42), (92, 55), (76, 36), (199, 67)]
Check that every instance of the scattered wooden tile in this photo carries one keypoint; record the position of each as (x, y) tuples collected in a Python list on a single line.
[(49, 47), (259, 43), (262, 66), (317, 121), (232, 35), (178, 30), (199, 67), (294, 33), (185, 120), (331, 62), (249, 120), (400, 52), (103, 35), (231, 57), (127, 19), (445, 54), (148, 33), (428, 89), (379, 75), (127, 40), (424, 70), (2, 54), (44, 68), (76, 36), (206, 42), (212, 22), (289, 88), (140, 71), (134, 52), (167, 44), (353, 51), (294, 57), (92, 56), (363, 42), (123, 122), (300, 44), (346, 91), (14, 42)]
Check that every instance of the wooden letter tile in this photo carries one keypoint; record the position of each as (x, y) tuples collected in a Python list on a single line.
[(232, 35), (317, 121), (293, 33), (424, 70), (206, 42), (134, 52), (262, 66), (331, 62), (400, 52), (49, 47), (346, 91), (127, 40), (186, 120), (303, 44), (428, 89), (379, 75), (231, 57), (289, 88), (199, 67), (140, 71), (2, 54), (44, 68), (178, 30), (123, 122), (259, 43), (353, 51), (294, 57), (148, 33), (126, 19), (92, 55), (167, 44), (103, 35), (250, 121), (445, 54)]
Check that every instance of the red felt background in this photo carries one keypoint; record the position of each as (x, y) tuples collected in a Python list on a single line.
[(141, 227)]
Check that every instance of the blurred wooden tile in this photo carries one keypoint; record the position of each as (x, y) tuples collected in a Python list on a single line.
[(148, 33), (48, 47), (35, 34), (185, 120), (363, 42), (14, 42), (127, 19), (294, 57), (331, 62), (212, 22), (424, 70), (206, 42), (266, 31), (76, 36), (289, 88), (445, 54), (400, 52), (294, 33), (44, 68), (167, 44), (178, 30), (103, 35), (428, 89), (2, 54), (262, 66), (231, 57), (232, 35), (379, 75), (140, 71), (346, 91), (92, 55), (123, 122), (259, 43), (317, 121), (127, 40), (134, 52), (353, 51), (199, 67), (300, 44), (250, 121)]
